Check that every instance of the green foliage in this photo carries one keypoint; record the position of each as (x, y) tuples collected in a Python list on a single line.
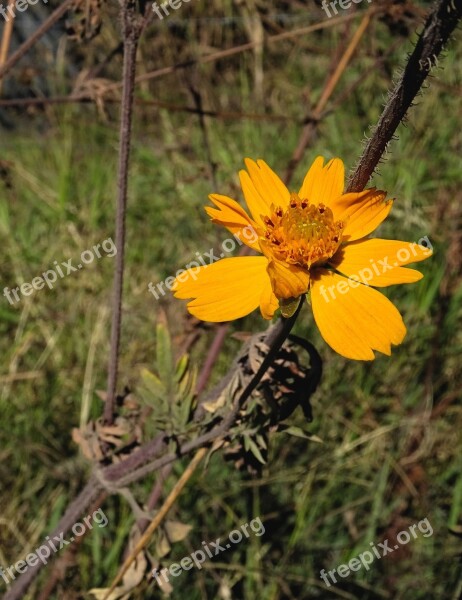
[(170, 391)]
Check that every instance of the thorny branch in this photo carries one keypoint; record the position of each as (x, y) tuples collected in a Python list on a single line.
[(437, 30)]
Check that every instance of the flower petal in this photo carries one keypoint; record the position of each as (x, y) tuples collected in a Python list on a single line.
[(225, 290), (268, 301), (288, 281), (323, 184), (362, 212), (357, 320), (378, 262), (231, 215), (262, 188), (278, 187)]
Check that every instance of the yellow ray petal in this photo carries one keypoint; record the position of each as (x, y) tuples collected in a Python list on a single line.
[(362, 212), (354, 319), (323, 184), (232, 216), (279, 189), (268, 301), (288, 281), (226, 290), (379, 262), (262, 188)]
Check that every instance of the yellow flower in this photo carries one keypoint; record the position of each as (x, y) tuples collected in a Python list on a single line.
[(314, 241)]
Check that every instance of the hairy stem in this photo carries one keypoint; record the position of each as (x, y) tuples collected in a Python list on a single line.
[(131, 32), (439, 26)]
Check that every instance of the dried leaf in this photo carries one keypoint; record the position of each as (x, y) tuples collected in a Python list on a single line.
[(164, 585), (163, 546), (132, 578), (113, 434), (177, 531), (88, 441), (101, 593), (216, 404)]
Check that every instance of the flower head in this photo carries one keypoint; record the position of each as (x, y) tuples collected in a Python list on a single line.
[(312, 241)]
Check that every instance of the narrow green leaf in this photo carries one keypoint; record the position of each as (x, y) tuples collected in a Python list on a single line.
[(164, 358)]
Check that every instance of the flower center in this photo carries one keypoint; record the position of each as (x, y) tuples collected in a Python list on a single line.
[(304, 234)]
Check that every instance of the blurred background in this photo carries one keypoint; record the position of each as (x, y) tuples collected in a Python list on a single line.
[(383, 450)]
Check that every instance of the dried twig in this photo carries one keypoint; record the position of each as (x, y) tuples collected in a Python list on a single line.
[(90, 99), (312, 124), (159, 517), (6, 40), (34, 38), (242, 48)]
